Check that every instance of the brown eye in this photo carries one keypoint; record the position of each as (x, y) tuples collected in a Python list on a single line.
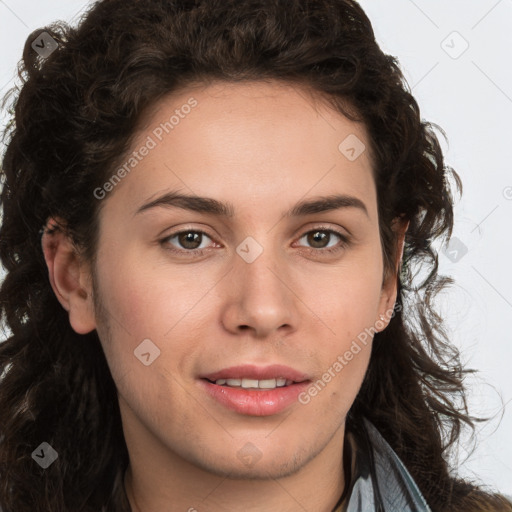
[(321, 238), (190, 239), (317, 239), (187, 241)]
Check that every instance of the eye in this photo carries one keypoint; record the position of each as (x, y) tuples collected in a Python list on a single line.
[(189, 240), (321, 237)]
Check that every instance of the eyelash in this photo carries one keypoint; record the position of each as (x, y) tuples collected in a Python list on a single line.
[(344, 242)]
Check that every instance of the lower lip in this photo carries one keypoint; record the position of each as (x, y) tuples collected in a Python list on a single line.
[(255, 402)]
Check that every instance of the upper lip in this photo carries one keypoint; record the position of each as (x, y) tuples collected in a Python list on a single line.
[(248, 371)]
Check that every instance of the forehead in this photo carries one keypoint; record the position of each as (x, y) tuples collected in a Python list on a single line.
[(246, 143)]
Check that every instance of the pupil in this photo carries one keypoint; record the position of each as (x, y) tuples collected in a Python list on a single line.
[(317, 237), (190, 238)]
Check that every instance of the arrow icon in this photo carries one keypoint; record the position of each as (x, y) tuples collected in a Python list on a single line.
[(243, 249), (45, 455), (456, 250), (249, 454), (454, 45), (146, 352), (351, 147), (247, 459), (44, 45)]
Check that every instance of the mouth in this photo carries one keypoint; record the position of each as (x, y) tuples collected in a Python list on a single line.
[(249, 375), (255, 391), (254, 384)]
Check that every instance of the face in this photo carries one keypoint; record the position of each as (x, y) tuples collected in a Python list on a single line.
[(186, 291)]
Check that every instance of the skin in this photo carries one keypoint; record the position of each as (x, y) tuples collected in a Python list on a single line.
[(261, 147)]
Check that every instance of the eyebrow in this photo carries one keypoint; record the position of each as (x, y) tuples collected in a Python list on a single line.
[(212, 206)]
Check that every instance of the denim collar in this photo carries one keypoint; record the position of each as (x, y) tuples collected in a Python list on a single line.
[(379, 481)]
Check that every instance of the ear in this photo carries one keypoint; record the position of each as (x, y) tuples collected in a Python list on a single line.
[(390, 285), (70, 279)]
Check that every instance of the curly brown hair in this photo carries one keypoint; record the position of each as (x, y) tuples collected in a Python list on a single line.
[(75, 116)]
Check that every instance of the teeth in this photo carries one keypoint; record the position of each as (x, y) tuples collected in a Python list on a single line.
[(250, 383), (268, 383), (254, 383)]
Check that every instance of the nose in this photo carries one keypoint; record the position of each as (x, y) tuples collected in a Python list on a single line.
[(260, 297)]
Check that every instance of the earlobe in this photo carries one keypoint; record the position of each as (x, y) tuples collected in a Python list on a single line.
[(69, 277)]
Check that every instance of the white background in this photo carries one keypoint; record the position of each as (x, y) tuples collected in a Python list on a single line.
[(469, 94)]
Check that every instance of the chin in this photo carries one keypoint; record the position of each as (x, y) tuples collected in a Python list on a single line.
[(251, 463)]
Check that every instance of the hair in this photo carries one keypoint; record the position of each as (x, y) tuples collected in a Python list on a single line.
[(74, 118)]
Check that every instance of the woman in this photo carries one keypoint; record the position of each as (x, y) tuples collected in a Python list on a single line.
[(255, 368)]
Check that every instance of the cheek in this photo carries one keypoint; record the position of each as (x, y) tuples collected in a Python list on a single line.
[(348, 305), (146, 304), (332, 394), (149, 302), (348, 300)]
